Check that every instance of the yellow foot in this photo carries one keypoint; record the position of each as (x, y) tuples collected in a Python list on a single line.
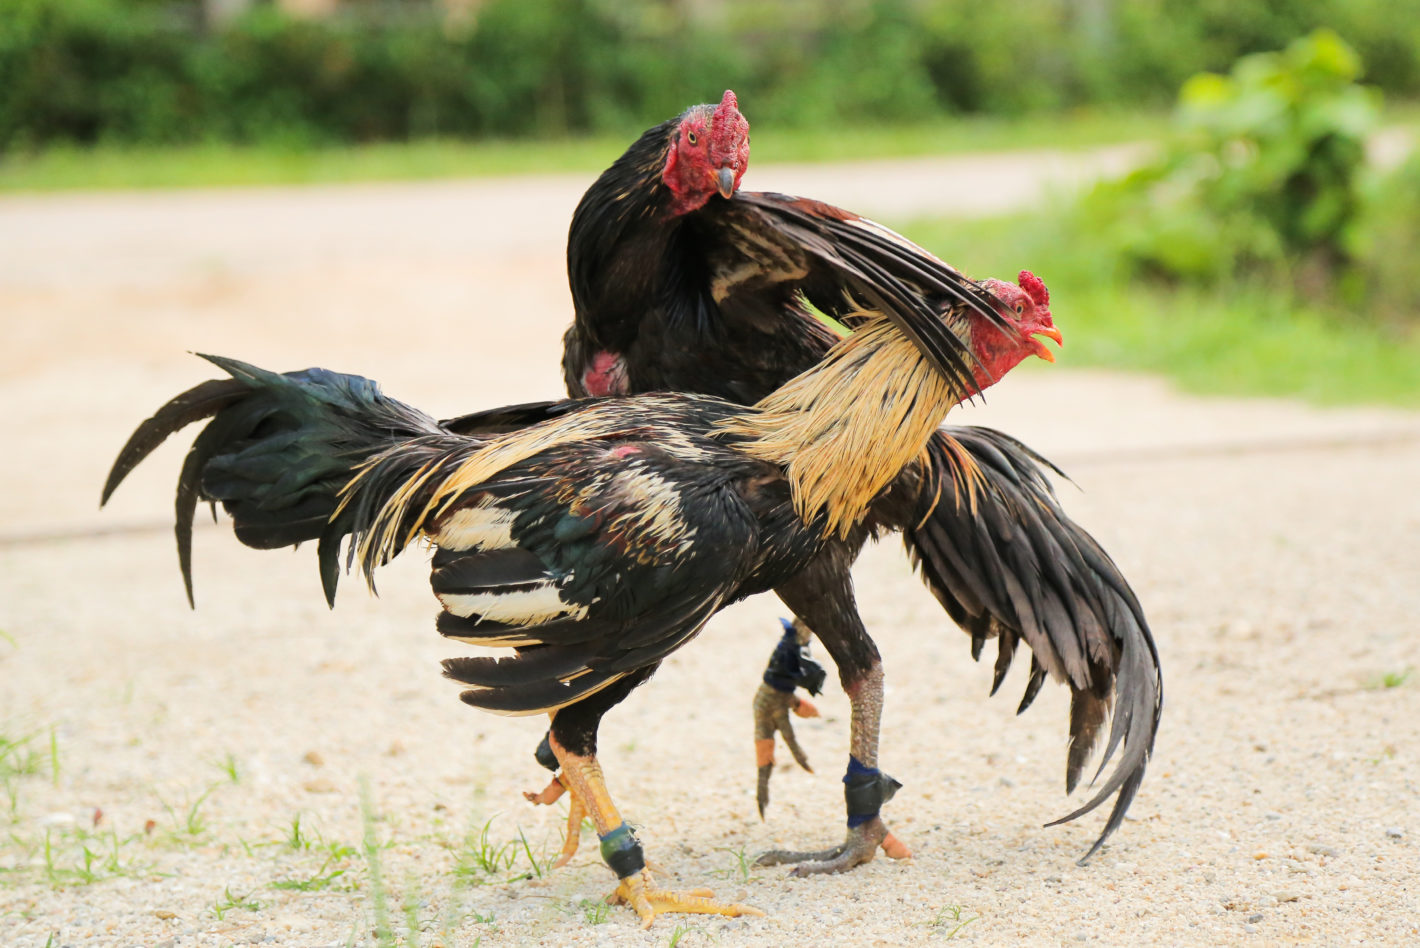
[(640, 892), (548, 795), (575, 812)]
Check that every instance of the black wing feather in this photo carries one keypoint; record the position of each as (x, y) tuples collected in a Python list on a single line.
[(816, 246)]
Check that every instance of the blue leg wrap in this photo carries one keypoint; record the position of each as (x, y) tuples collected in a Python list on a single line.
[(622, 852), (865, 790)]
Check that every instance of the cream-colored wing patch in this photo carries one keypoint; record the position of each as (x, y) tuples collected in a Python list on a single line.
[(532, 605), (480, 527)]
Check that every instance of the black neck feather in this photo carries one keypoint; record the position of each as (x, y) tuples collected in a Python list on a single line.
[(622, 222)]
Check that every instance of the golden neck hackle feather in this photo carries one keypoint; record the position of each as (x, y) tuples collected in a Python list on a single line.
[(846, 428), (842, 431)]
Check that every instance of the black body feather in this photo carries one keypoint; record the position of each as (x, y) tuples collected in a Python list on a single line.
[(605, 547), (712, 301)]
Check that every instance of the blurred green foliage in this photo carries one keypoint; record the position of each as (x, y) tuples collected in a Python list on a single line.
[(1384, 283), (1266, 182), (151, 72), (1237, 337), (1264, 172), (1259, 254)]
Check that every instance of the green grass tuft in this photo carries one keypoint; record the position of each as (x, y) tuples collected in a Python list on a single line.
[(740, 870), (75, 856), (1388, 680), (482, 862), (228, 902), (680, 931), (596, 911), (229, 768), (948, 922), (190, 825)]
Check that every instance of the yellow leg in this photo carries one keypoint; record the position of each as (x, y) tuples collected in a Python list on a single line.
[(575, 811), (637, 888)]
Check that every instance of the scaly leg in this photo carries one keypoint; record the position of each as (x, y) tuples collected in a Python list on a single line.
[(865, 790), (790, 667), (575, 812), (622, 851), (822, 597), (551, 794)]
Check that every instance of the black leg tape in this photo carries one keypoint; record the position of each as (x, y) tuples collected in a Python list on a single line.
[(544, 754), (622, 852), (791, 666), (865, 790)]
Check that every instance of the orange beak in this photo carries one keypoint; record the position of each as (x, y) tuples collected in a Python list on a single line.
[(1049, 333)]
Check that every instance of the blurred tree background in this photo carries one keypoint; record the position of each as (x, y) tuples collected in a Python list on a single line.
[(174, 71)]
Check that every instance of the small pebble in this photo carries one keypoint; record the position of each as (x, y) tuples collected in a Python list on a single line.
[(1250, 929), (1286, 896), (314, 758), (1255, 918), (1320, 850), (1395, 832)]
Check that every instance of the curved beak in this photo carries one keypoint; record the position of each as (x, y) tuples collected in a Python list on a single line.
[(725, 182), (1050, 333)]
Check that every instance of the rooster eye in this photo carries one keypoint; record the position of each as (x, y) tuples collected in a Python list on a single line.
[(1020, 309), (690, 137)]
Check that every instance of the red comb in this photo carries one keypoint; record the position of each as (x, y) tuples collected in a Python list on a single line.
[(727, 125), (1034, 287)]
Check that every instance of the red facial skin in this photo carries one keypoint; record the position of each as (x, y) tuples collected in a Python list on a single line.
[(605, 376), (709, 156), (1027, 307)]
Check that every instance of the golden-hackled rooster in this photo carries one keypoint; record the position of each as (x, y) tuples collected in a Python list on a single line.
[(593, 537)]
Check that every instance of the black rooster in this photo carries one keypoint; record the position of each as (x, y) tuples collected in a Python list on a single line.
[(594, 537), (683, 283)]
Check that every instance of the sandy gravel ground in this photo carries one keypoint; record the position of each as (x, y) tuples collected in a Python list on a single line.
[(1274, 547)]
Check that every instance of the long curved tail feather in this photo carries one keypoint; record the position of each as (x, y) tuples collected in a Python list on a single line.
[(1006, 562), (276, 453)]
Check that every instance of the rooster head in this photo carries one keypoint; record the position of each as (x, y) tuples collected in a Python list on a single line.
[(1025, 305), (707, 155)]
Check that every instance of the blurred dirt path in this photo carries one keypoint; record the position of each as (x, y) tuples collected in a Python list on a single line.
[(1274, 546), (135, 239)]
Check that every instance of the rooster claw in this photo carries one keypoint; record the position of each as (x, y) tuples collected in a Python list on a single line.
[(771, 716), (639, 892), (859, 847), (575, 813), (548, 795)]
